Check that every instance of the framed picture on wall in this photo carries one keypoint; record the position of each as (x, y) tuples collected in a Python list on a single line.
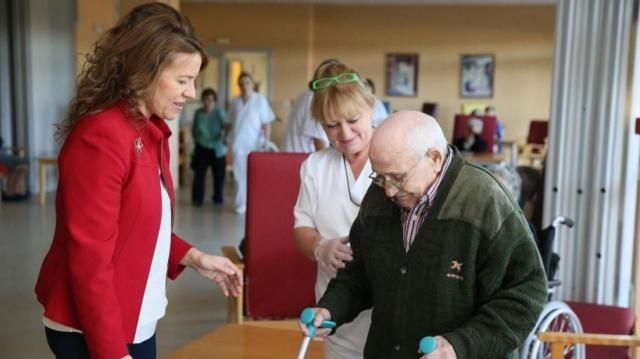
[(402, 75), (476, 75)]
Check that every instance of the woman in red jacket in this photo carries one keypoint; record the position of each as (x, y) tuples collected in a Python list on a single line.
[(102, 283)]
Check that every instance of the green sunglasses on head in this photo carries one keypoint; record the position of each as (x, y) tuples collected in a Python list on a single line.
[(343, 78)]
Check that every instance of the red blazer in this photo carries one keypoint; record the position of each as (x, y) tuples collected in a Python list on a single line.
[(108, 209)]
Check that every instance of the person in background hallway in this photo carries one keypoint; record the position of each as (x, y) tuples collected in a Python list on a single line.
[(208, 133), (472, 142), (15, 169), (439, 249), (103, 281), (499, 136), (296, 138), (249, 115), (379, 111), (333, 182)]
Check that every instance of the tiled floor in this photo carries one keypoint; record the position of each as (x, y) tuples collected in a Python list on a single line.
[(196, 306)]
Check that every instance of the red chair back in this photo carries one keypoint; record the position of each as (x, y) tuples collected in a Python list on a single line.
[(280, 280), (488, 129), (538, 132), (604, 319)]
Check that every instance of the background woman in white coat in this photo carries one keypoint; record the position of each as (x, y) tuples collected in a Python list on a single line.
[(333, 183), (249, 115)]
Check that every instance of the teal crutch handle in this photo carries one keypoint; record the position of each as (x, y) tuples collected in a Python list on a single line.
[(427, 345), (308, 315)]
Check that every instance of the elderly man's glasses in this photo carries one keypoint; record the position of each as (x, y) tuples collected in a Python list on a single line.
[(382, 181), (343, 78)]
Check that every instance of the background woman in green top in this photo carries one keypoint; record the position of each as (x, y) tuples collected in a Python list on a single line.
[(208, 134)]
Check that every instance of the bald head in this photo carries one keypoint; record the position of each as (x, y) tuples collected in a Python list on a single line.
[(407, 153), (406, 133)]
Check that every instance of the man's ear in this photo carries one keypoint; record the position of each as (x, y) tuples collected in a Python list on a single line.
[(437, 159)]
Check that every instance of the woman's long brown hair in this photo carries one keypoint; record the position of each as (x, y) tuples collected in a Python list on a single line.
[(127, 59)]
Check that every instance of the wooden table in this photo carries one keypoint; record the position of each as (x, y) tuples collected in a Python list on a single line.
[(43, 162), (239, 341)]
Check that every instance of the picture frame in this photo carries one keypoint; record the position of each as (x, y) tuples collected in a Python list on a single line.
[(402, 75), (477, 75)]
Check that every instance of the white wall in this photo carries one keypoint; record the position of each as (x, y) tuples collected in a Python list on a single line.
[(51, 76)]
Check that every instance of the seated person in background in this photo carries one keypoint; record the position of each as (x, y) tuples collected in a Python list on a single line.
[(499, 135), (379, 111), (509, 177), (439, 249), (531, 178), (15, 168), (472, 142), (516, 185)]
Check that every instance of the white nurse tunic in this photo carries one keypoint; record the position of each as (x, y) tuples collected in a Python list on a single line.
[(325, 203), (247, 118)]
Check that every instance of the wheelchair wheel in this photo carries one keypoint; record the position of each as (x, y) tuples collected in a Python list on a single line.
[(525, 350), (556, 317)]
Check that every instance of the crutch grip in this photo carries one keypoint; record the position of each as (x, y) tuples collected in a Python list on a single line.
[(427, 345), (306, 317)]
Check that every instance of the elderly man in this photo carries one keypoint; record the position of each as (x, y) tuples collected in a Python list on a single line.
[(439, 249)]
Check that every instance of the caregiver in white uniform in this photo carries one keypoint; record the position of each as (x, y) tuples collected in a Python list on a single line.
[(249, 116), (379, 111), (333, 183), (295, 140)]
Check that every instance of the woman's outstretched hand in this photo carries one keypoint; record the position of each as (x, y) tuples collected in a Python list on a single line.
[(218, 269)]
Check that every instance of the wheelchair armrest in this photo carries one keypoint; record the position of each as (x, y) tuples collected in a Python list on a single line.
[(554, 283)]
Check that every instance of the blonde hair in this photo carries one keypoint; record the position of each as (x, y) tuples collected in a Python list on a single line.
[(339, 100)]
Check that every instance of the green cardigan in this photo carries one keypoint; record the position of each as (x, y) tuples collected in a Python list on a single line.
[(208, 130), (473, 273)]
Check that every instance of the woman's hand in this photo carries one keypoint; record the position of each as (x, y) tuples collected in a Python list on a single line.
[(216, 268), (334, 253)]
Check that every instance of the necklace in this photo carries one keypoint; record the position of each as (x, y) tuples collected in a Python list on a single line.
[(346, 177)]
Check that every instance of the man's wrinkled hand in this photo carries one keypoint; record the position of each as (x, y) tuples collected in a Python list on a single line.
[(444, 350), (321, 333)]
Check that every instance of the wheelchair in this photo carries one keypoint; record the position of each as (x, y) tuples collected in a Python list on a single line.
[(556, 315)]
